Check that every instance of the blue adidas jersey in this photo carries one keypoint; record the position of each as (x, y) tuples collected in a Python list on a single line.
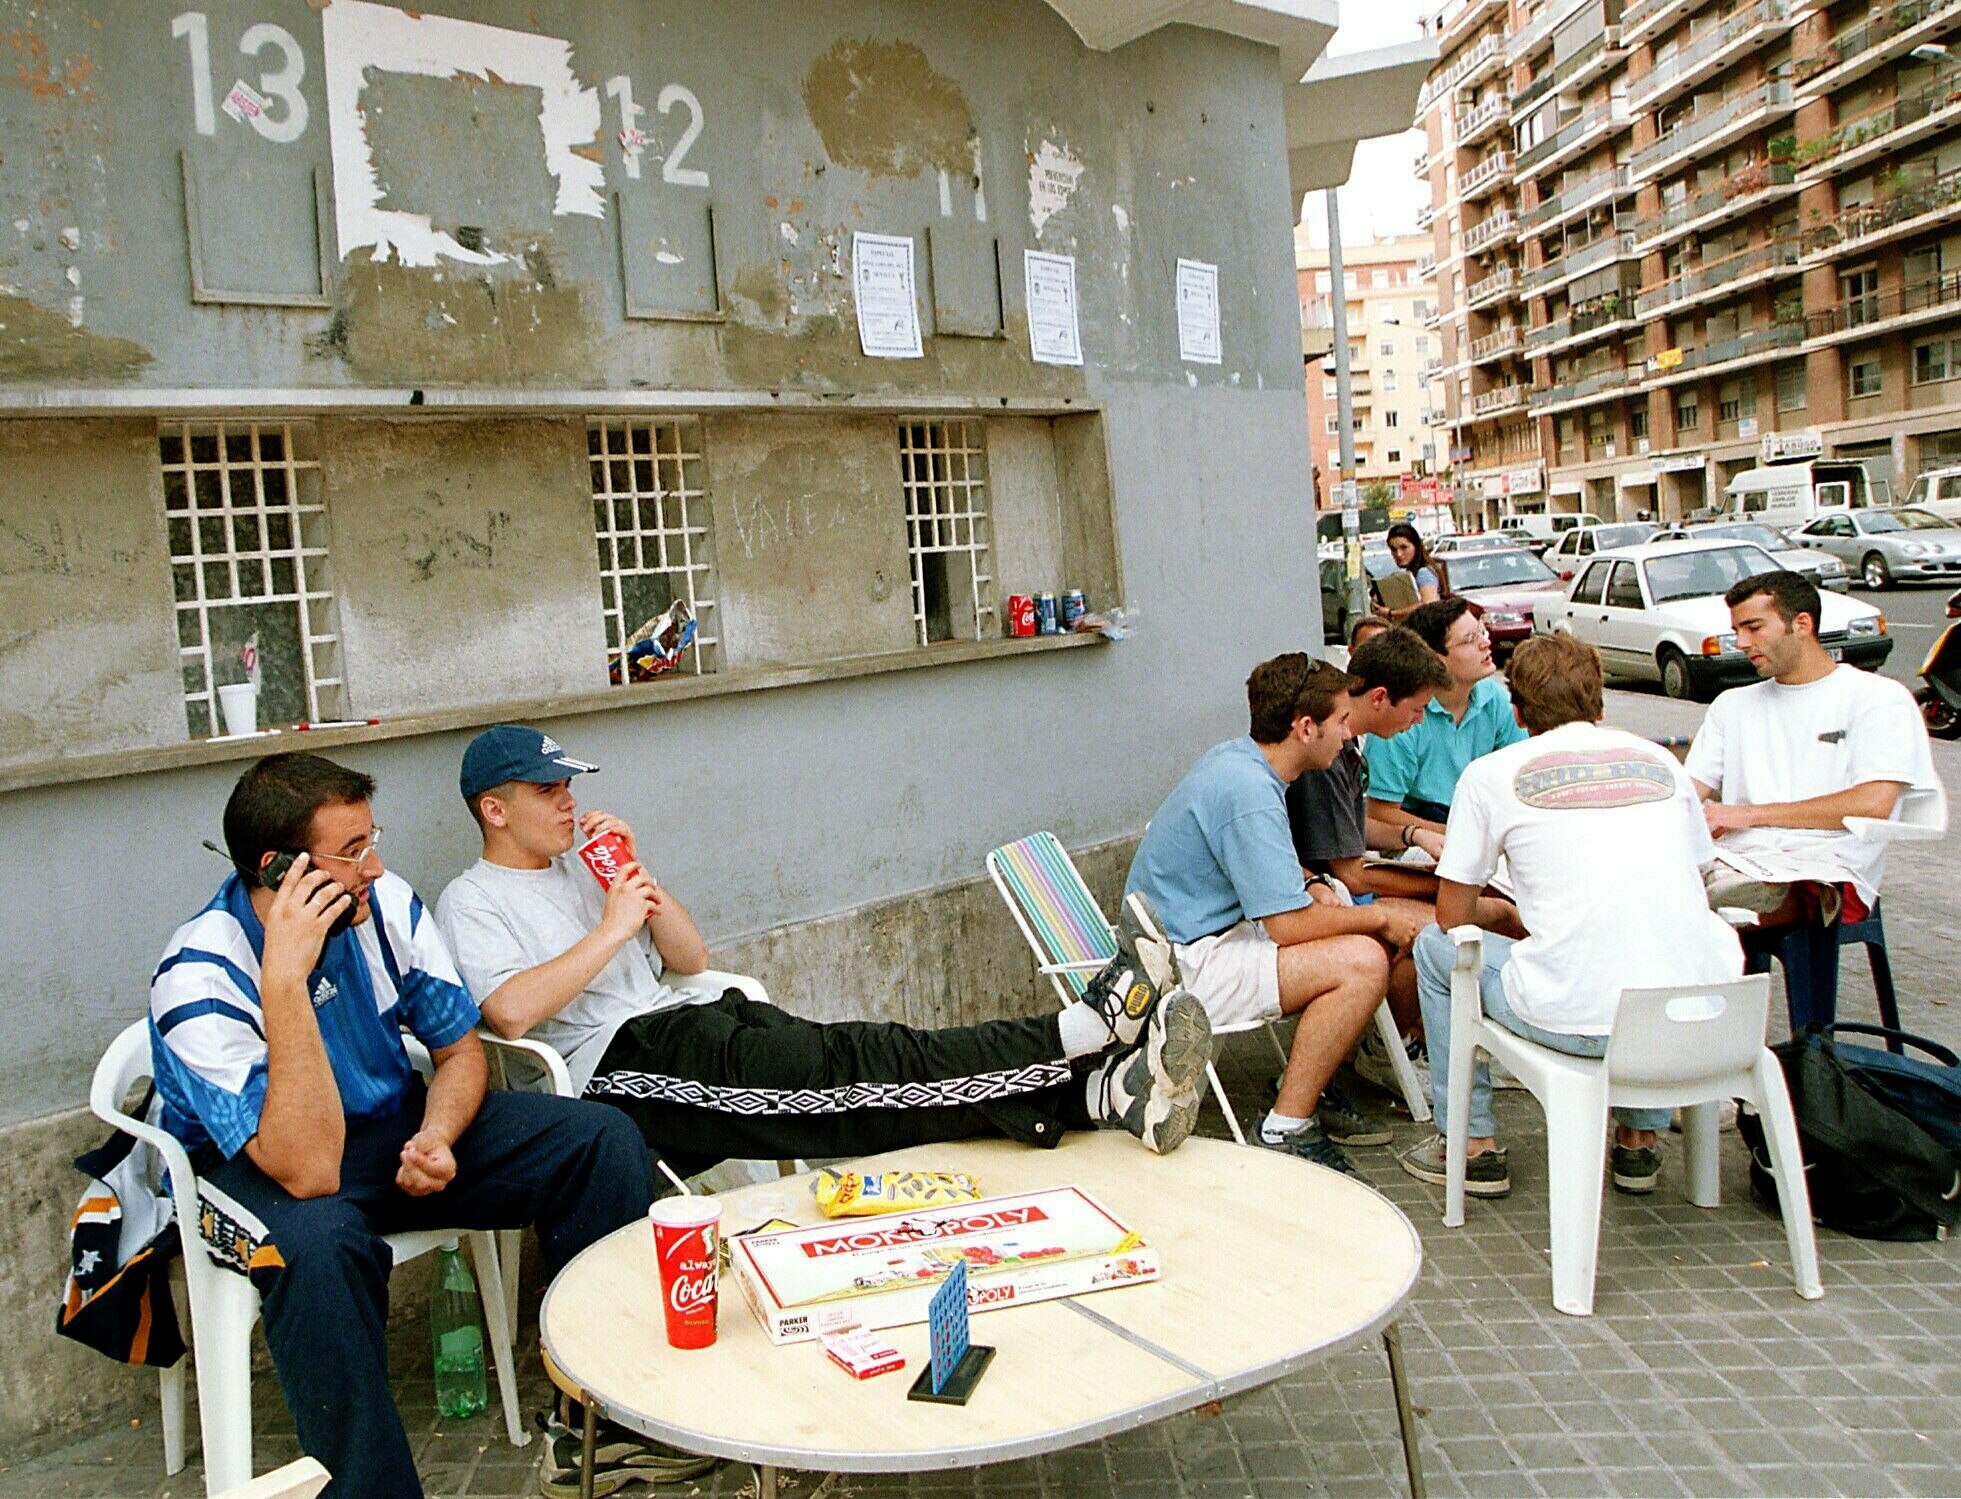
[(207, 1032)]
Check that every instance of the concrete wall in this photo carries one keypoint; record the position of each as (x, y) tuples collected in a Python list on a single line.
[(765, 810)]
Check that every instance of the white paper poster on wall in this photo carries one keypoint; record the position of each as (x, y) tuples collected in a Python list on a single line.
[(1198, 312), (1054, 331), (888, 304)]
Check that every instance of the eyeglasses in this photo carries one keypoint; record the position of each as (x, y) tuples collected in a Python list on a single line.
[(360, 855)]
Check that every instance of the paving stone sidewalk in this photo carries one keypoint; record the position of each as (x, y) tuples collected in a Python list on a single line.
[(1701, 1372)]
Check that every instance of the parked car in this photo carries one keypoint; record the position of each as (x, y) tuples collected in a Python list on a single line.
[(1938, 490), (1523, 539), (1544, 526), (1571, 551), (1502, 584), (1335, 620), (1888, 546), (1656, 612), (1825, 570), (1469, 541)]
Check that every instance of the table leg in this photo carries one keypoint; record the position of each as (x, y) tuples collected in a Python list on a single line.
[(588, 1442), (765, 1482), (1392, 1341)]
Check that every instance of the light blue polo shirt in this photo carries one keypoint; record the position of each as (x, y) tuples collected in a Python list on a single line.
[(1424, 761), (1219, 850)]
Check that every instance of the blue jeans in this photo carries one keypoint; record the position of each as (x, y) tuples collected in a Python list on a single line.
[(1435, 953)]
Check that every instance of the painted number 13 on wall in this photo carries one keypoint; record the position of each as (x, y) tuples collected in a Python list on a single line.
[(279, 113)]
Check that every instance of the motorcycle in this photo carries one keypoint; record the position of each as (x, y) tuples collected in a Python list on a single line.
[(1940, 697)]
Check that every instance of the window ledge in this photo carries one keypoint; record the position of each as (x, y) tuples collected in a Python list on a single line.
[(65, 770)]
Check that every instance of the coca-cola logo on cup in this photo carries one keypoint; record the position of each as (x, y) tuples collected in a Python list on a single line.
[(606, 857), (687, 1293)]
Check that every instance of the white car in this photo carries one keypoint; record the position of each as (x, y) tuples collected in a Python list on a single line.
[(1938, 490), (1824, 570), (1656, 612)]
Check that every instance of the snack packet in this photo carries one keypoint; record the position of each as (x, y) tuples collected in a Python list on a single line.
[(853, 1194)]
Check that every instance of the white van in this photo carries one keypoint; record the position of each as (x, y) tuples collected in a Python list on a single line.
[(1790, 494), (1938, 490), (1539, 526)]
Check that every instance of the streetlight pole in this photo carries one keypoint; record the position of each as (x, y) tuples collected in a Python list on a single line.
[(1351, 500)]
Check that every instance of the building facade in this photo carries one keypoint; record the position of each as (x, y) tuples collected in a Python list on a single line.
[(1673, 237), (1390, 349)]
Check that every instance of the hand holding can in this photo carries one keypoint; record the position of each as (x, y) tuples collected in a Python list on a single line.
[(607, 856), (687, 1231)]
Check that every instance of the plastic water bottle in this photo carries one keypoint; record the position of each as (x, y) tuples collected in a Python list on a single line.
[(456, 1334)]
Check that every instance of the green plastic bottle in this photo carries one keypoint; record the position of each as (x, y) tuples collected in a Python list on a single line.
[(456, 1335)]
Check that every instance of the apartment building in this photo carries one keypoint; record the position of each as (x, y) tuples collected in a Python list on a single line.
[(1390, 351), (1674, 238)]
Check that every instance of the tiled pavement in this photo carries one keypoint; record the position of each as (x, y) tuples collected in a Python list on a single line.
[(1701, 1372)]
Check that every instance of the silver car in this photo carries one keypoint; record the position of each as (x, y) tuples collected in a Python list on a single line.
[(1887, 546), (1824, 570)]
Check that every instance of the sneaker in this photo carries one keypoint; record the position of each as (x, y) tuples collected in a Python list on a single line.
[(1152, 1089), (1636, 1169), (1347, 1123), (1311, 1143), (1487, 1175), (620, 1458), (1375, 1067), (1127, 989)]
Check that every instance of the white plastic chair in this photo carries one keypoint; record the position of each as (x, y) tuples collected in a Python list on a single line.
[(1690, 1046), (1072, 940), (224, 1304), (1919, 816), (528, 1066), (301, 1479)]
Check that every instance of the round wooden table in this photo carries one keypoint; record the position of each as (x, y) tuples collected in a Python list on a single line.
[(1270, 1264)]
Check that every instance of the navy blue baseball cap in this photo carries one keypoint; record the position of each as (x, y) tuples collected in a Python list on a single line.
[(513, 752)]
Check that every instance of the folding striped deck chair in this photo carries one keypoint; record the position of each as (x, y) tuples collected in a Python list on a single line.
[(1071, 940)]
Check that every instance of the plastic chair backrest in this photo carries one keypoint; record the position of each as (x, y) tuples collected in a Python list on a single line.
[(1060, 913), (1688, 1032)]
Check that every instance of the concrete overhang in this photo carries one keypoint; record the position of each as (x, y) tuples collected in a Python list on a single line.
[(1342, 100), (1300, 29)]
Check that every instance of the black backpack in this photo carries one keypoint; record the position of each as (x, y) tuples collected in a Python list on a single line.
[(1880, 1132)]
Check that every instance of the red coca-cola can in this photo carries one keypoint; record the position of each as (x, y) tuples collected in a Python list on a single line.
[(607, 856), (1021, 614), (687, 1235)]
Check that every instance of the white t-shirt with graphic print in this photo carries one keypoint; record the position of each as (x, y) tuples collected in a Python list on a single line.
[(1604, 839)]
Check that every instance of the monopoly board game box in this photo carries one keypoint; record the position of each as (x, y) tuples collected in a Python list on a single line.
[(882, 1272)]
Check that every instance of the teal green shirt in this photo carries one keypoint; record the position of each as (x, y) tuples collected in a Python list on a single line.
[(1424, 761)]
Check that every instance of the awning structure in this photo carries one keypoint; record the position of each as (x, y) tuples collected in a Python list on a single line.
[(1332, 102)]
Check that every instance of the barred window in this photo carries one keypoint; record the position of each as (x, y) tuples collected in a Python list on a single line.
[(943, 471), (656, 556), (247, 524)]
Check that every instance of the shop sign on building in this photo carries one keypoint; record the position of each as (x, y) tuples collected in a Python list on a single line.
[(1783, 447), (1677, 463)]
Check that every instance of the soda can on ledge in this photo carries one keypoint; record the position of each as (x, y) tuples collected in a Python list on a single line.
[(1047, 620), (1021, 614), (1074, 607)]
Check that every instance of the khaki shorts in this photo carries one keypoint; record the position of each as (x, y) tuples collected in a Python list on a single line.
[(1235, 975)]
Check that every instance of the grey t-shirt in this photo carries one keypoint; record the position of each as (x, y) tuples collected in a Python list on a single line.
[(501, 921), (1327, 810)]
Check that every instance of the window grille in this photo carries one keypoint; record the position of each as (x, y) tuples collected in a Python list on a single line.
[(943, 470), (247, 524), (650, 518)]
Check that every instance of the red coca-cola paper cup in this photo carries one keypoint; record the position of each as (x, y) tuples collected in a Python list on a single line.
[(687, 1234), (607, 856)]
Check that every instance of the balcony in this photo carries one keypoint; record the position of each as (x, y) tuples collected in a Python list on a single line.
[(1529, 36), (1426, 216), (1604, 251), (1705, 55), (1755, 344), (1901, 213), (1474, 124), (1486, 175), (1640, 18), (1756, 184), (1420, 167), (1594, 316), (1426, 267), (1467, 69), (1489, 230), (1532, 93), (1491, 289), (1574, 137), (1881, 311), (1612, 379), (1575, 197), (1778, 255), (1711, 128), (1883, 130), (1457, 26), (1505, 341), (1492, 402), (1857, 50), (1597, 56)]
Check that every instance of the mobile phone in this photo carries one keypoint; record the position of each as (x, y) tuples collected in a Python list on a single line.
[(274, 875)]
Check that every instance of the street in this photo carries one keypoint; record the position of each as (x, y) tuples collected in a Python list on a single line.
[(1915, 614)]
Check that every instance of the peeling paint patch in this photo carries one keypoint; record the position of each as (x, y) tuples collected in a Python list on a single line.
[(363, 40), (35, 71), (1122, 218), (880, 107), (36, 344), (1053, 172)]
